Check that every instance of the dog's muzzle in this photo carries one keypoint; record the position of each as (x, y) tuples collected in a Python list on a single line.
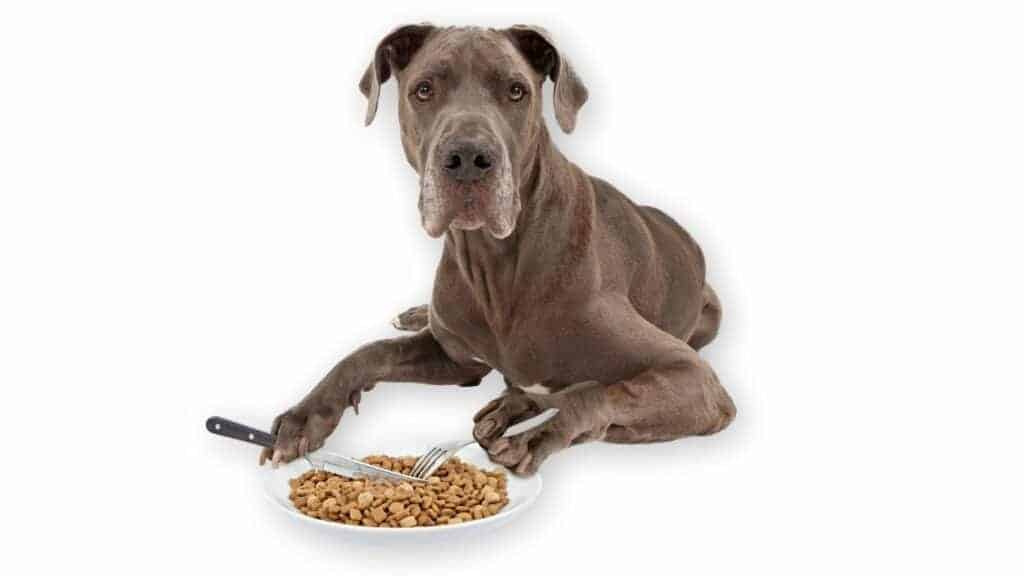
[(468, 185)]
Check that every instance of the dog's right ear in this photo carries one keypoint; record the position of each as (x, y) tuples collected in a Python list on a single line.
[(393, 53)]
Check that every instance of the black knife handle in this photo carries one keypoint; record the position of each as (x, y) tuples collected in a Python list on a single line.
[(225, 427)]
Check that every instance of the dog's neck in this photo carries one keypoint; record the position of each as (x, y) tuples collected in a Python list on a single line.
[(557, 212)]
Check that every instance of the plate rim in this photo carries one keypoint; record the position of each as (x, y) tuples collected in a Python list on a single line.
[(502, 515)]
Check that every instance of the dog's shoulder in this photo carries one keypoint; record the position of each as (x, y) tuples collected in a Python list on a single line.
[(639, 226), (612, 205)]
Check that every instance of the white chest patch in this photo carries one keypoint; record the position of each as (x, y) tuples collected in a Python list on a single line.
[(536, 389)]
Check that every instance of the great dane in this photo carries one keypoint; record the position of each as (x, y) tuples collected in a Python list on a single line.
[(584, 301)]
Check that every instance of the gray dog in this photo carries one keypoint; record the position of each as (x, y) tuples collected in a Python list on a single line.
[(584, 301)]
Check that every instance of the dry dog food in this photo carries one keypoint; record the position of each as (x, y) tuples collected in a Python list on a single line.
[(458, 492)]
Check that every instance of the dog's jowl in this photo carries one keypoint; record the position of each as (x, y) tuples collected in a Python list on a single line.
[(584, 301)]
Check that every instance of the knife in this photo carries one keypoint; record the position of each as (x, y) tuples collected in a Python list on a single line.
[(336, 463)]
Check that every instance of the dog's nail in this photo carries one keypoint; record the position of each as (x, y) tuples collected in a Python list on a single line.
[(276, 460)]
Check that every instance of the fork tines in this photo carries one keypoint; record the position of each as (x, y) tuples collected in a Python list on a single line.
[(424, 466)]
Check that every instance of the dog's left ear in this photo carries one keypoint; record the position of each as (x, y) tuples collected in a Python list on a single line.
[(393, 53), (536, 45)]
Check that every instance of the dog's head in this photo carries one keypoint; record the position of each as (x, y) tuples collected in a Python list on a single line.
[(471, 115)]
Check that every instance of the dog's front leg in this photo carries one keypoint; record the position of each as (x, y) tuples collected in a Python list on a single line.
[(673, 400), (417, 358), (680, 397), (670, 392)]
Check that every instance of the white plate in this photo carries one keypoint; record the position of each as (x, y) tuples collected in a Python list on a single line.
[(521, 494)]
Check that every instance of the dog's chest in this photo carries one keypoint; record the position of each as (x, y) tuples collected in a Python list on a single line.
[(521, 345), (464, 328), (472, 325), (505, 310)]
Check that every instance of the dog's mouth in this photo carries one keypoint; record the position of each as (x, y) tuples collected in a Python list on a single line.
[(490, 203)]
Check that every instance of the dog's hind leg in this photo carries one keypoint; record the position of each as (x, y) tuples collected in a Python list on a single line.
[(708, 322), (669, 402), (412, 320)]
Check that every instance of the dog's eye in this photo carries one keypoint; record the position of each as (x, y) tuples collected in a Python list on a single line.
[(516, 92), (424, 91)]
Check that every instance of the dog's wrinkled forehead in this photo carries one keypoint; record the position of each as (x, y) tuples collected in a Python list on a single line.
[(463, 56)]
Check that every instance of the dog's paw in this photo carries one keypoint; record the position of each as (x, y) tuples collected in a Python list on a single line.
[(583, 415), (493, 419), (523, 453), (300, 430)]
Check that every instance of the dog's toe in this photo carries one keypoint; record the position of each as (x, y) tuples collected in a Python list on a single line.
[(508, 451), (543, 445), (490, 428), (493, 419)]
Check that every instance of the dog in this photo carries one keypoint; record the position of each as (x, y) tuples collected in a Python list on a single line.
[(582, 300)]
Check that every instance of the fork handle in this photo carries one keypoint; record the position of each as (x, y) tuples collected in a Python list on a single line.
[(225, 427)]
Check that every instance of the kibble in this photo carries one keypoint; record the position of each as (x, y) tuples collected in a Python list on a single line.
[(407, 522), (458, 492)]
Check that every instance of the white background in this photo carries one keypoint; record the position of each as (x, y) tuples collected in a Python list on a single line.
[(194, 222)]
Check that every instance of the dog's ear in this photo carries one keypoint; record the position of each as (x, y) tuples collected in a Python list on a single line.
[(536, 45), (393, 53)]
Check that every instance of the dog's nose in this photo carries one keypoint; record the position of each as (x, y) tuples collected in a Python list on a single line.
[(468, 162)]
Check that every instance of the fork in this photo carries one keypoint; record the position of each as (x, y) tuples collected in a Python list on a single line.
[(439, 454)]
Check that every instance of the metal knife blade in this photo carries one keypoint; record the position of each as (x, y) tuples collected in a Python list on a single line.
[(353, 468)]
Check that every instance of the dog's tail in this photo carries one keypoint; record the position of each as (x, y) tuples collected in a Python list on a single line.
[(413, 319)]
